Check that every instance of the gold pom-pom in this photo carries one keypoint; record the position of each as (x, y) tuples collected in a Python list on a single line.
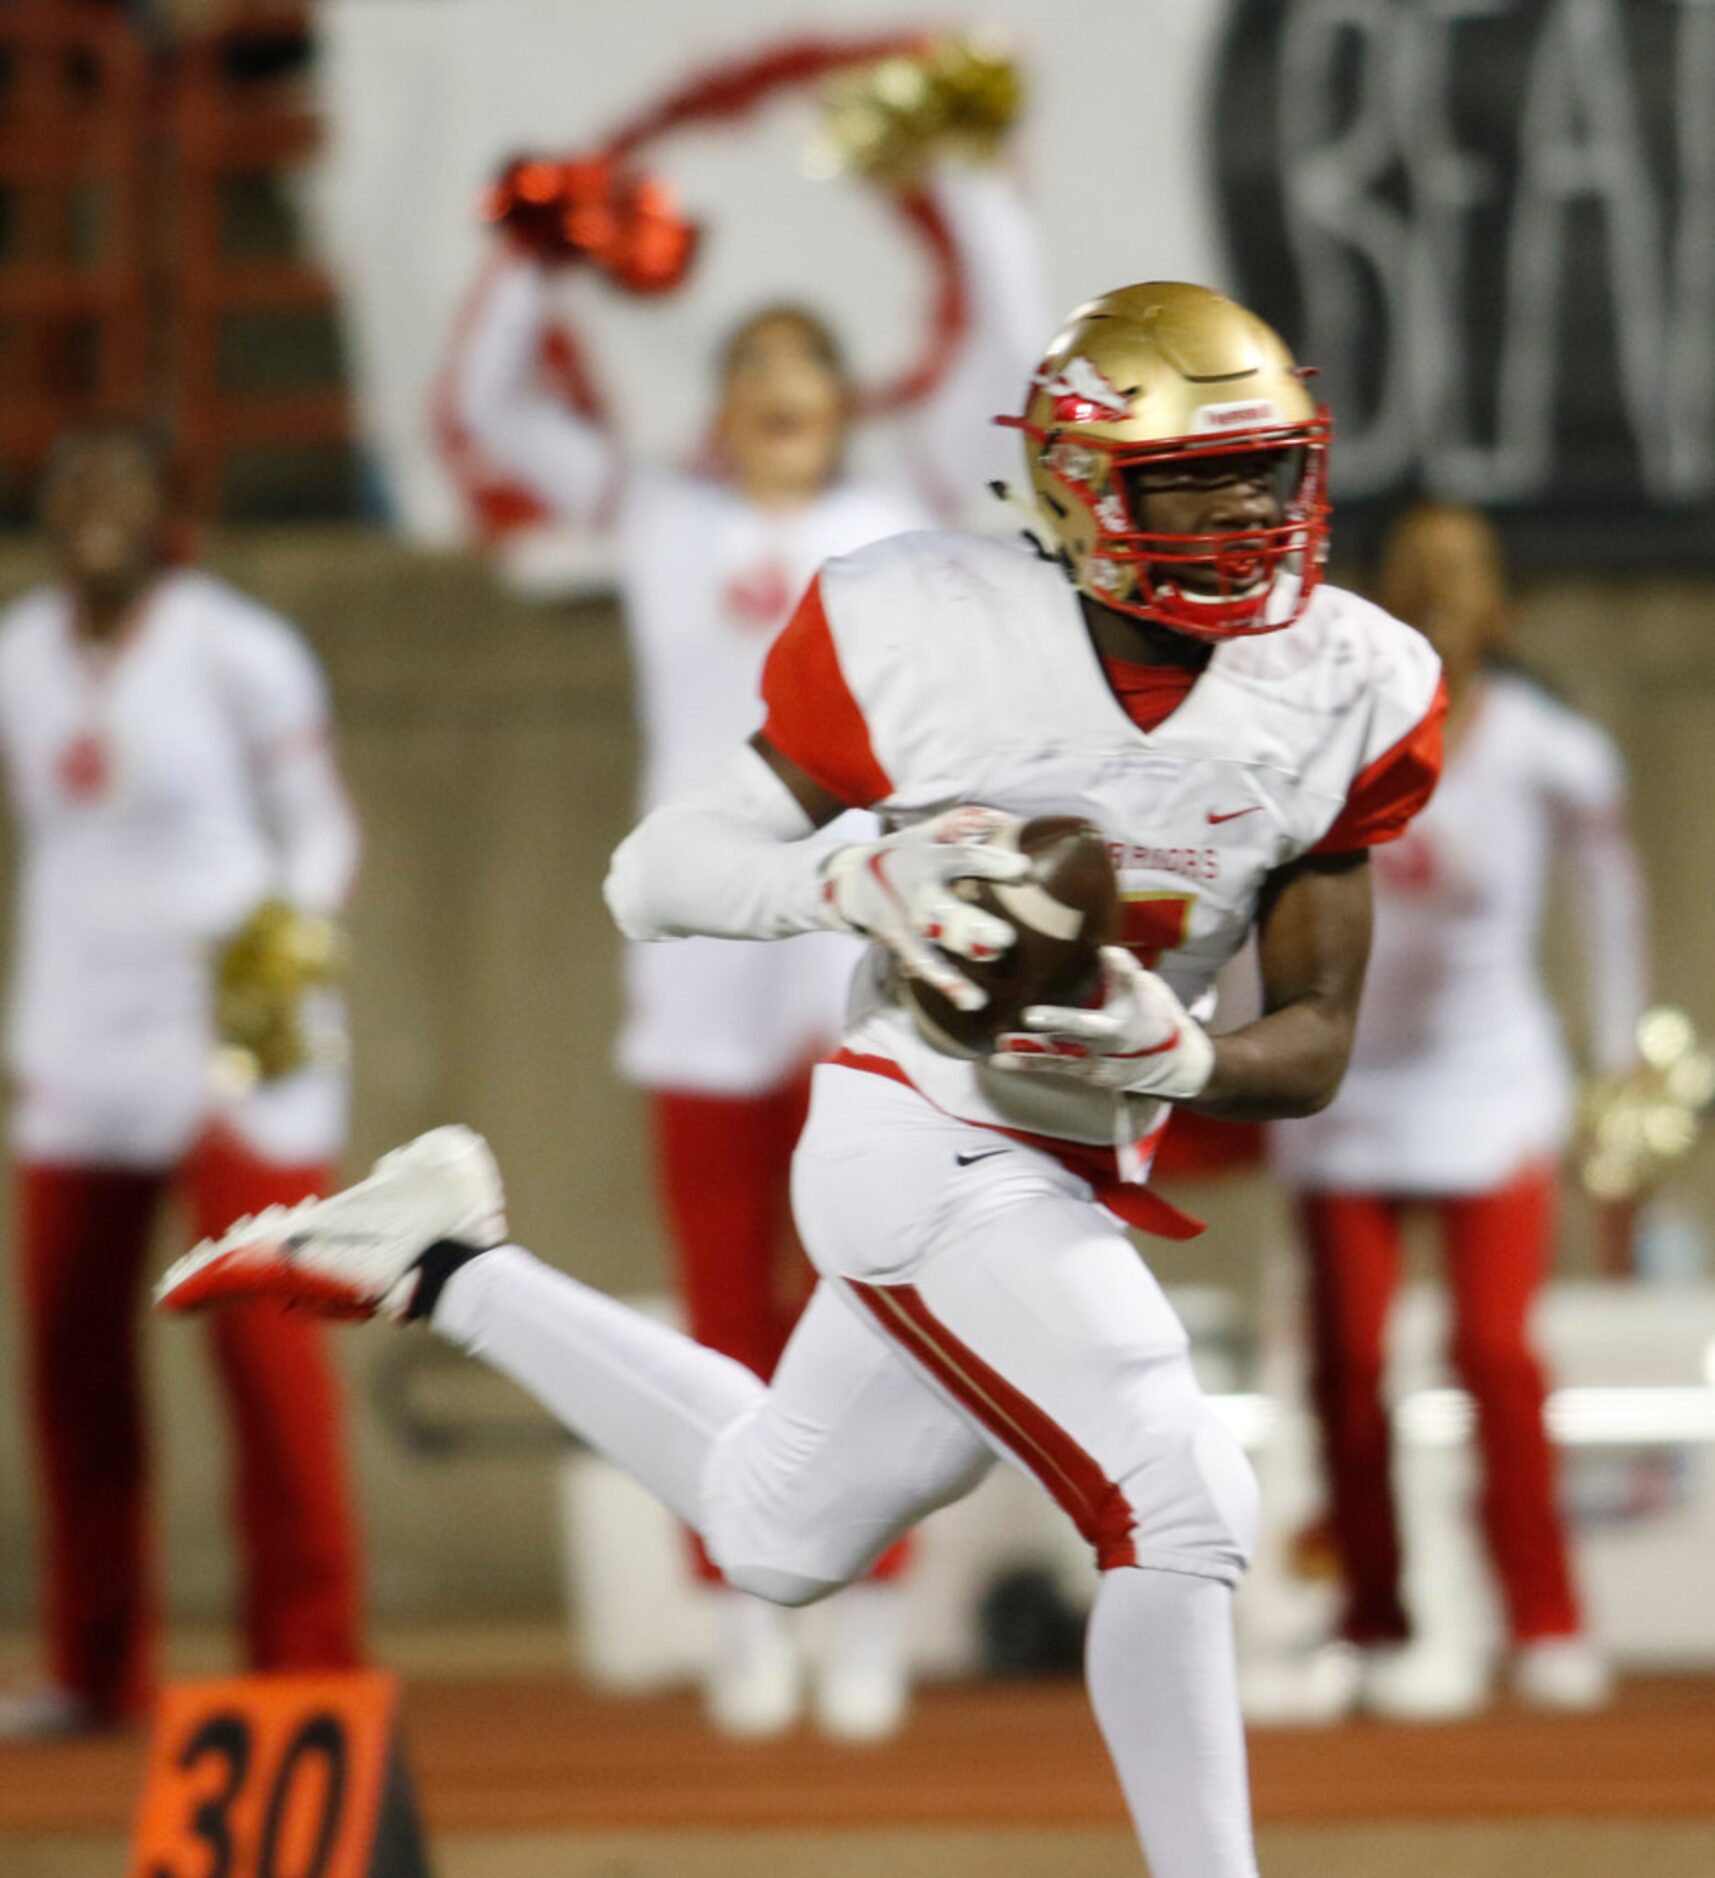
[(1633, 1128), (262, 976), (958, 97)]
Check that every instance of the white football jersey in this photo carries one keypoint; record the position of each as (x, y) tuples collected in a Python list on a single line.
[(163, 787), (1460, 1074), (938, 669)]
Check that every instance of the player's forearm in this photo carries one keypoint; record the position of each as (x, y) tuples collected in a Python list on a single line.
[(1286, 1064), (1313, 938), (728, 861)]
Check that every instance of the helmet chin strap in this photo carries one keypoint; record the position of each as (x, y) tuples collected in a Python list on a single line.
[(1038, 531), (1276, 602), (1269, 610)]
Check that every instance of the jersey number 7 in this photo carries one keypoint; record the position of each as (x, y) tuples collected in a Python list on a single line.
[(1155, 923)]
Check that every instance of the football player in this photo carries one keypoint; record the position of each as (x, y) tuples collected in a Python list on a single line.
[(722, 1036), (1168, 664), (167, 744), (1460, 1099)]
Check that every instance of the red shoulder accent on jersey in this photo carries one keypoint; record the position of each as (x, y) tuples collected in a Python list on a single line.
[(1386, 795), (813, 719)]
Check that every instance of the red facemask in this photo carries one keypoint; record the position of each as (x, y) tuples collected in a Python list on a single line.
[(1242, 581)]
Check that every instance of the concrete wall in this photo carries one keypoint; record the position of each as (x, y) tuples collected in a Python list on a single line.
[(491, 750)]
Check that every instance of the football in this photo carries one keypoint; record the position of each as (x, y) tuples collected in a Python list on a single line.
[(1064, 911)]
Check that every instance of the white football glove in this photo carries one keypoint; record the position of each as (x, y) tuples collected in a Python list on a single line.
[(1140, 1040), (899, 890)]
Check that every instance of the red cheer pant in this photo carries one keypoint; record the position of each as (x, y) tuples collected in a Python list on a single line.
[(723, 1166), (83, 1237), (1497, 1247)]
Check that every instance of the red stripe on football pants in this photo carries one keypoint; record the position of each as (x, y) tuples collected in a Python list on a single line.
[(1096, 1506)]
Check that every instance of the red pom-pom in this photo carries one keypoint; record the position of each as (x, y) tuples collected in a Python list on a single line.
[(586, 210), (654, 245)]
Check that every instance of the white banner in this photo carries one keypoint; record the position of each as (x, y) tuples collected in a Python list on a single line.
[(426, 98)]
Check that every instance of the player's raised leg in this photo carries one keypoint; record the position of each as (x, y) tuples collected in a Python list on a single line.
[(388, 1246), (796, 1488)]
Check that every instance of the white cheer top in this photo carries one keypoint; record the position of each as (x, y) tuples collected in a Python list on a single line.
[(1460, 1074), (163, 787)]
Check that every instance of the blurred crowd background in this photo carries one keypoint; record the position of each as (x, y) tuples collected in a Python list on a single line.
[(1491, 227)]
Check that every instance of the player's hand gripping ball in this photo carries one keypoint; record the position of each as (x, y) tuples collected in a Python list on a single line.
[(909, 891), (1059, 908), (1136, 1038)]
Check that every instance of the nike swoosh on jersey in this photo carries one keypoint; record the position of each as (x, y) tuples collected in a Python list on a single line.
[(988, 1154), (1232, 815)]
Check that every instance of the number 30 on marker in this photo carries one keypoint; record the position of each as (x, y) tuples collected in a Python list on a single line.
[(276, 1777)]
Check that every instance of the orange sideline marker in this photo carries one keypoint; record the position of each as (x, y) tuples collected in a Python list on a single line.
[(278, 1777)]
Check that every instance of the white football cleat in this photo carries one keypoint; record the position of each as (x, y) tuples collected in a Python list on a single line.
[(354, 1254), (1568, 1674)]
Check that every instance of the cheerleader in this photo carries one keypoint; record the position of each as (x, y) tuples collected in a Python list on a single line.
[(1458, 1104), (171, 772)]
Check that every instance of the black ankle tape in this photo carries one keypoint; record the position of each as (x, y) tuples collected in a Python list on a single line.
[(434, 1268)]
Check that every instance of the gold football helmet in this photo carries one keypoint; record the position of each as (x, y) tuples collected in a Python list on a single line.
[(1170, 373)]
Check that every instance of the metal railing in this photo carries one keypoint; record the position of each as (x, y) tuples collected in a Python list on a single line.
[(74, 163), (118, 278), (238, 113)]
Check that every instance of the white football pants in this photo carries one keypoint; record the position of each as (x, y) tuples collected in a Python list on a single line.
[(975, 1302)]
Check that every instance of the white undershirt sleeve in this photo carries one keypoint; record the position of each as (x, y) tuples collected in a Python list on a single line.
[(955, 442), (312, 819), (730, 860), (279, 696), (519, 427), (1606, 875)]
